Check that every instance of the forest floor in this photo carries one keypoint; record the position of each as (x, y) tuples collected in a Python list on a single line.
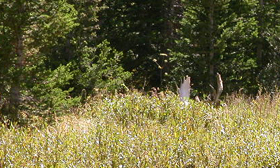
[(136, 130)]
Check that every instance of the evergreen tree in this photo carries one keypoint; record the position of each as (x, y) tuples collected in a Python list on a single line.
[(141, 30), (217, 36), (95, 63), (28, 29), (267, 44)]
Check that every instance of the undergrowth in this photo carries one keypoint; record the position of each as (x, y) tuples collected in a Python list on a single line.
[(136, 130)]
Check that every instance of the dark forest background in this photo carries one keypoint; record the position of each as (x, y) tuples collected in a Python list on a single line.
[(54, 53)]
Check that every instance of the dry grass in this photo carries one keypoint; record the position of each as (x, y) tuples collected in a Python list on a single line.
[(136, 130)]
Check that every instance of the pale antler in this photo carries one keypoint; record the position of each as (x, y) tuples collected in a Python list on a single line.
[(219, 89), (185, 89)]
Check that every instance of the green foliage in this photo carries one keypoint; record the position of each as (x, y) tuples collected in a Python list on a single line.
[(268, 78), (141, 30), (101, 68), (95, 63), (137, 130), (52, 92), (66, 48), (29, 29), (57, 21), (233, 34)]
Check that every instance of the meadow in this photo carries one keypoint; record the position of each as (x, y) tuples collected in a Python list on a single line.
[(138, 130)]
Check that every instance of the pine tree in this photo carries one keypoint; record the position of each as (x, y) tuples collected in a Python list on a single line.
[(218, 36), (28, 28)]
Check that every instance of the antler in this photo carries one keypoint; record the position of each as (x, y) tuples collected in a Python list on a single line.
[(219, 89), (185, 89)]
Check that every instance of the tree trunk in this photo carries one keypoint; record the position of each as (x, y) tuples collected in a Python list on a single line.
[(260, 41), (172, 9), (15, 94), (211, 42)]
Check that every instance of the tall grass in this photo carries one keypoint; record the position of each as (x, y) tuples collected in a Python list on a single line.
[(136, 130)]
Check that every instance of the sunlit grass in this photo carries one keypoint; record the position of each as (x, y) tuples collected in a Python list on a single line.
[(136, 130)]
